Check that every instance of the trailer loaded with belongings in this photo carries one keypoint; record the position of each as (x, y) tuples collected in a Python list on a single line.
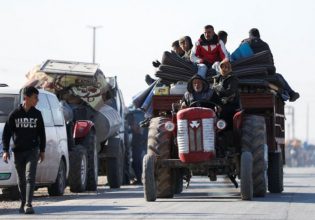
[(254, 72)]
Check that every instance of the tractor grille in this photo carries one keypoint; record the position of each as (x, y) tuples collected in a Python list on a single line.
[(195, 135)]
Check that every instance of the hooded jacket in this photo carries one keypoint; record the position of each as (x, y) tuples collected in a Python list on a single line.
[(208, 51), (26, 129), (191, 96)]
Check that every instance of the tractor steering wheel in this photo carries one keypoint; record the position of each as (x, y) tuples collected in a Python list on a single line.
[(205, 103)]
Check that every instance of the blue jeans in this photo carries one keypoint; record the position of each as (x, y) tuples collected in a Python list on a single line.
[(202, 70)]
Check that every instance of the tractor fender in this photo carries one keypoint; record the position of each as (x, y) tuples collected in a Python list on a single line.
[(82, 128), (237, 120)]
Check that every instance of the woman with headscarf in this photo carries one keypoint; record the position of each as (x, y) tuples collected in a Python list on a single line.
[(225, 86)]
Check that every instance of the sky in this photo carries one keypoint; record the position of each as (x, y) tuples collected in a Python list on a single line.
[(133, 33)]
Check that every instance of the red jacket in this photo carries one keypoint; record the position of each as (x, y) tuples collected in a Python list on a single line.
[(207, 52)]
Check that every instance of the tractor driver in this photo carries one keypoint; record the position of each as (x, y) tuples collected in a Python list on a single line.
[(197, 89)]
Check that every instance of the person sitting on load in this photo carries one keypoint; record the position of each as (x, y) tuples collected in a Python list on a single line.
[(176, 48), (207, 51), (225, 86), (186, 44), (258, 45), (198, 89)]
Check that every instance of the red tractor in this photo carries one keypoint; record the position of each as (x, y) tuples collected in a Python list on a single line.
[(194, 141)]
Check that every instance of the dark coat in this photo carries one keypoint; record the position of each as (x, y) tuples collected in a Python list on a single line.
[(226, 88), (191, 96), (26, 129), (257, 44)]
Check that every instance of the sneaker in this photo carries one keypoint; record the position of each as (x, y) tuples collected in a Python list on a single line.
[(136, 182), (29, 210), (21, 209), (294, 96)]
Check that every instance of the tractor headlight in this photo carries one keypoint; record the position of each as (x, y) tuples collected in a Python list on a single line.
[(169, 126), (221, 124)]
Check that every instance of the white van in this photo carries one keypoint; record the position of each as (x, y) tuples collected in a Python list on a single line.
[(53, 171)]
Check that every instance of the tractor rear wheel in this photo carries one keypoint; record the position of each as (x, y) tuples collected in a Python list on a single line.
[(254, 141), (246, 176)]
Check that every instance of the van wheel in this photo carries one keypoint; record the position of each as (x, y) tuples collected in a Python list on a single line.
[(78, 169), (58, 188)]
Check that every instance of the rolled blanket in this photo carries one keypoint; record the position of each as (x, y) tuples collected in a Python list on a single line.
[(269, 67), (173, 73), (269, 78), (171, 76), (176, 70), (173, 59), (250, 71), (264, 57)]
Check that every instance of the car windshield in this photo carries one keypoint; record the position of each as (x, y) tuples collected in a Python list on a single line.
[(7, 104)]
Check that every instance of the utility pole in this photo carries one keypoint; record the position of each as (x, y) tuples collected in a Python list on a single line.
[(290, 111), (94, 36)]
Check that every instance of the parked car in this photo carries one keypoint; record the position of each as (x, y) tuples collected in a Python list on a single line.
[(53, 171)]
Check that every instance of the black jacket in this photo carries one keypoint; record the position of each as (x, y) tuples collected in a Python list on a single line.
[(258, 45), (27, 130), (226, 87)]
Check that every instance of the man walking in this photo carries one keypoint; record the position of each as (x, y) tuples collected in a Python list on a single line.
[(26, 126)]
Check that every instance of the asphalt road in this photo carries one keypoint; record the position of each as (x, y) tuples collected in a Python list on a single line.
[(202, 200)]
